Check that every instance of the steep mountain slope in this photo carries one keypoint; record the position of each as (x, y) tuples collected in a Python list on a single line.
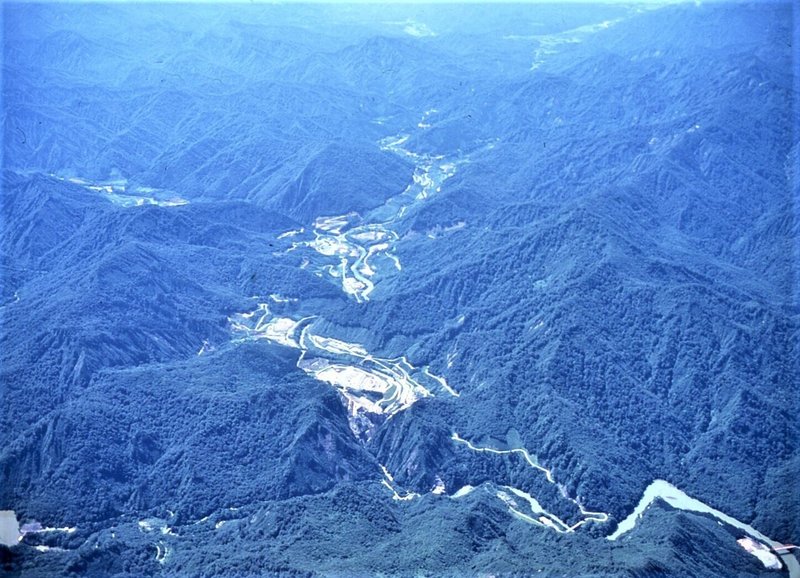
[(355, 290)]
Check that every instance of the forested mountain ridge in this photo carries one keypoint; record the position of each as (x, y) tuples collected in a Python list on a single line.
[(406, 289)]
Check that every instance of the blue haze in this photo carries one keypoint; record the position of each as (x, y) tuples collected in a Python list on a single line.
[(602, 267)]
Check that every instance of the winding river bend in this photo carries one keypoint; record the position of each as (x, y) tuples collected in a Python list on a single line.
[(352, 251), (372, 388), (663, 490), (120, 193)]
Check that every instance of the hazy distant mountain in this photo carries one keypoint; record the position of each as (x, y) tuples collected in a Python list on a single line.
[(400, 290)]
